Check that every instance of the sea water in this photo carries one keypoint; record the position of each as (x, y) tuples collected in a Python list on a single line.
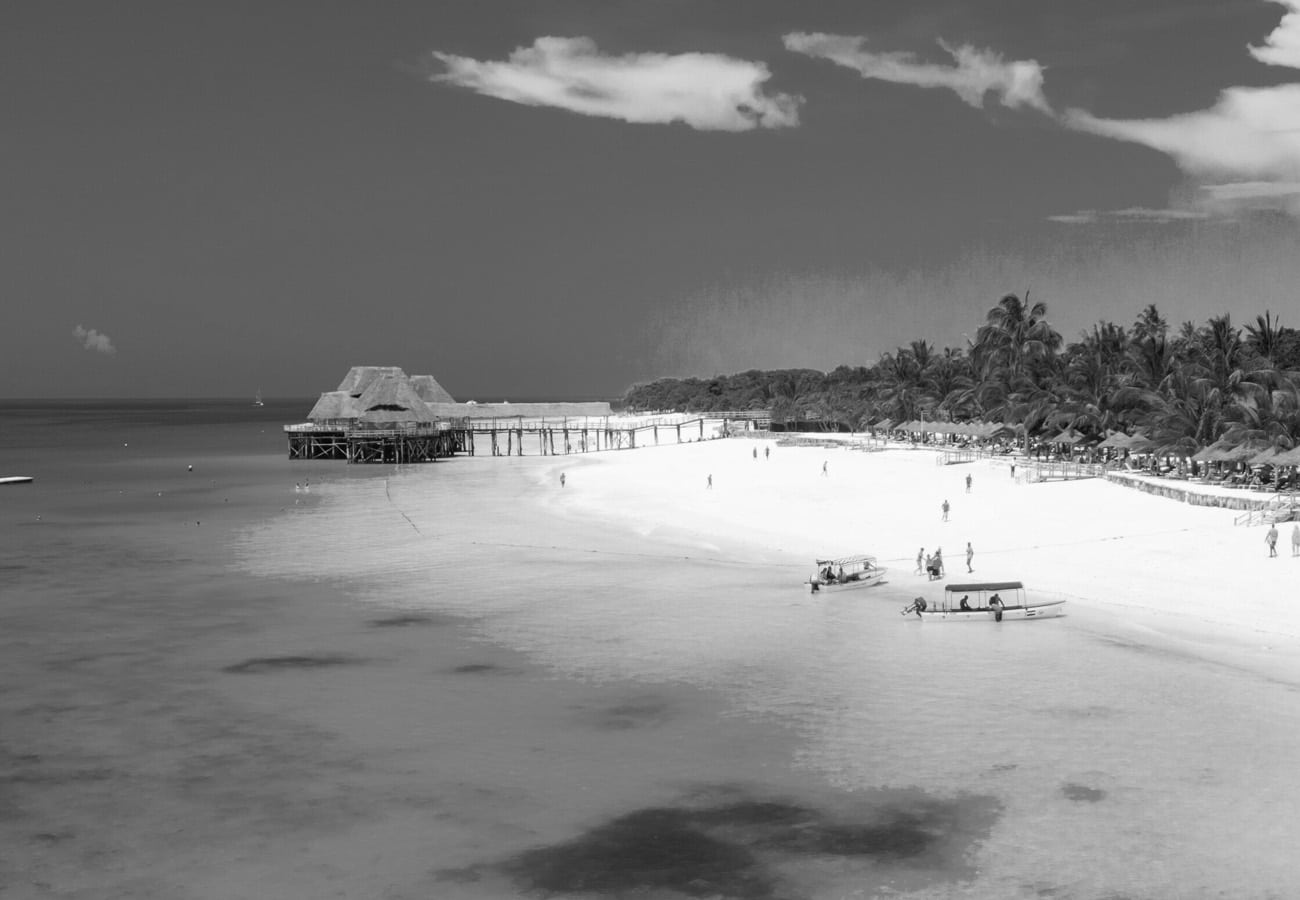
[(1089, 758), (624, 714)]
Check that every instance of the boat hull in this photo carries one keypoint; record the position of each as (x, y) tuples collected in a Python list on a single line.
[(1043, 610), (866, 581)]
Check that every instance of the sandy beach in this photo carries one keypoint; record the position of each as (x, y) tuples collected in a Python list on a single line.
[(1115, 551), (466, 680)]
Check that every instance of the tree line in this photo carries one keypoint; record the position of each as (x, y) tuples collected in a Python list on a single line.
[(1183, 389)]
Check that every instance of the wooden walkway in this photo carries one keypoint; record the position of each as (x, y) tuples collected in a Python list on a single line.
[(497, 438)]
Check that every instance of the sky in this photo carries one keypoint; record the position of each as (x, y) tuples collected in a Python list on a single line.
[(561, 199)]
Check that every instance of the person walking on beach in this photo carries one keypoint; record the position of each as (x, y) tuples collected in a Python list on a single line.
[(1013, 471), (920, 561), (709, 484), (755, 453), (945, 510), (970, 554), (1295, 541), (824, 464), (562, 479), (968, 481), (1271, 537), (938, 562), (767, 453)]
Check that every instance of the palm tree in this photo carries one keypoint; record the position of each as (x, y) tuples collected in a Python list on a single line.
[(1016, 347)]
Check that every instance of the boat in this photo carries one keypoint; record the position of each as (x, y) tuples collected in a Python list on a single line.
[(257, 401), (985, 601), (16, 479), (846, 572)]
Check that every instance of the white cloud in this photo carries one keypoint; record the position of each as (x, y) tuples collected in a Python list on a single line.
[(707, 91), (973, 75), (1282, 47), (1251, 134), (94, 340), (1130, 214), (1249, 140)]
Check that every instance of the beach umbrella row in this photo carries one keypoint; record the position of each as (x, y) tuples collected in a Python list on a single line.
[(1134, 443), (973, 429)]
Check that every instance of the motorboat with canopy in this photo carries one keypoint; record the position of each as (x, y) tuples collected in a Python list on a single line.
[(984, 601)]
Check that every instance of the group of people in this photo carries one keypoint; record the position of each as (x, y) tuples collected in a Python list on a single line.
[(930, 564), (1271, 539)]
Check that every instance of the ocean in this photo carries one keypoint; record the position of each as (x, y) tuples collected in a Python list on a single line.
[(264, 678)]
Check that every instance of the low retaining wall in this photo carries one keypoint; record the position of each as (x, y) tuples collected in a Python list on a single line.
[(1187, 493)]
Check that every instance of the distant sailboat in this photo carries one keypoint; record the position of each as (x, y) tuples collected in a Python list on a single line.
[(257, 401)]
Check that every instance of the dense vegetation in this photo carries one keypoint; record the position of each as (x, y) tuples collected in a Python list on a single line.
[(1184, 390)]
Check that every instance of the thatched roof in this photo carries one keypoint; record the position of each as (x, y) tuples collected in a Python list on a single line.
[(429, 389), (591, 409), (333, 406), (390, 399), (360, 377)]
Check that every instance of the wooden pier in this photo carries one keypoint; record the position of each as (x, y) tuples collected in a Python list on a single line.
[(371, 445), (414, 444)]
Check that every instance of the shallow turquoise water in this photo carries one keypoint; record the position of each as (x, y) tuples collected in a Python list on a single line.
[(634, 686), (1122, 762)]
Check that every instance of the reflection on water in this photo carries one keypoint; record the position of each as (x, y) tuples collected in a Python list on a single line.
[(1087, 760)]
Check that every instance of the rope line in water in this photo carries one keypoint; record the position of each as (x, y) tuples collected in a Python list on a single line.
[(389, 495)]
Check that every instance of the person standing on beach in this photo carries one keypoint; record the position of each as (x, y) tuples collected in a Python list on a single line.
[(945, 510), (920, 561), (970, 554), (1295, 541), (824, 464), (1271, 538), (968, 481), (709, 484), (767, 453), (755, 453), (562, 479), (1013, 471)]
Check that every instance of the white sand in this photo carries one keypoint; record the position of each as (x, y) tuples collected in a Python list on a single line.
[(1113, 551)]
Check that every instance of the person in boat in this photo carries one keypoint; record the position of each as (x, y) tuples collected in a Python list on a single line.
[(965, 602), (839, 576), (995, 602)]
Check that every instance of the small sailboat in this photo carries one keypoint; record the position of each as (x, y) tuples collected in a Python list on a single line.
[(257, 400)]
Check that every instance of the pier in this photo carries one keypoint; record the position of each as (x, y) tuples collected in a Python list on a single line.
[(359, 443)]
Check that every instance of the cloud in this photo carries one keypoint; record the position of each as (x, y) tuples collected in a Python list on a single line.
[(707, 91), (94, 340), (973, 75), (1248, 141), (1282, 47), (1131, 214), (1250, 134)]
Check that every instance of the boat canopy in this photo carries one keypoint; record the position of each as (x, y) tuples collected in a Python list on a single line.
[(984, 586), (860, 559)]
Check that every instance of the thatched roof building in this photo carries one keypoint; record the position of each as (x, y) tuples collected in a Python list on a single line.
[(385, 396), (429, 389), (335, 407), (391, 400), (360, 377)]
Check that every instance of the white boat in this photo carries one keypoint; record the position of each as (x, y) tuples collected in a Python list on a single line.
[(257, 401), (16, 479), (985, 601), (845, 572)]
